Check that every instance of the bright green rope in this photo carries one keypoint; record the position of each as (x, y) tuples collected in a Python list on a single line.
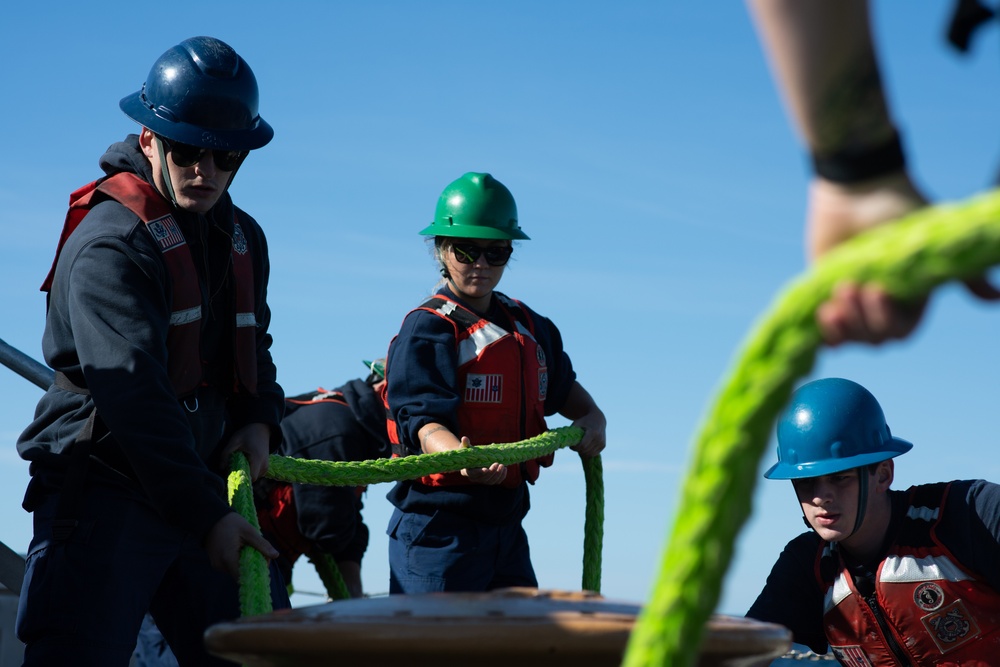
[(359, 473), (909, 259), (255, 594), (329, 574), (253, 568), (593, 527)]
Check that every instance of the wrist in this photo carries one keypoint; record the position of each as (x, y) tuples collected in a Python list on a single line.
[(858, 164)]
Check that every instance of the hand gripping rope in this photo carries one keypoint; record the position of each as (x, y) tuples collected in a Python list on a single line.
[(254, 590), (908, 258)]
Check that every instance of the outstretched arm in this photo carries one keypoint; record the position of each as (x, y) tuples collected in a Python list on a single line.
[(826, 68)]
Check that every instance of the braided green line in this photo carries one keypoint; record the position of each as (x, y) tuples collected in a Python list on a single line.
[(329, 573), (909, 259), (358, 473), (253, 568), (255, 597), (593, 526)]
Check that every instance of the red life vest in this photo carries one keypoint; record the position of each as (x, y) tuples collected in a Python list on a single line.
[(184, 335), (503, 379), (935, 611)]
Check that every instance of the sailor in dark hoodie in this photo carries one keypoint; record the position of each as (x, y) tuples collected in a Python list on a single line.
[(157, 329)]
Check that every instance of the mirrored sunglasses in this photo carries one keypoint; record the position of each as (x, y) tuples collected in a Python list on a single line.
[(186, 155), (468, 253)]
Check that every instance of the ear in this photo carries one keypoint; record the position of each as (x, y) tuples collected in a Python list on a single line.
[(884, 474), (146, 139)]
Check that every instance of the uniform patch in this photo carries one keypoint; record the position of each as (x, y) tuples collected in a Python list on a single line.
[(239, 240), (484, 388), (951, 627), (928, 596), (165, 232), (853, 656), (543, 383), (540, 355)]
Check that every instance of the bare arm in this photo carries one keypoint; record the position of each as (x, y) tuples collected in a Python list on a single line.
[(826, 68), (582, 409), (436, 437)]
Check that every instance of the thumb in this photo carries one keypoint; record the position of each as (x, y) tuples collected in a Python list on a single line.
[(257, 541), (983, 289)]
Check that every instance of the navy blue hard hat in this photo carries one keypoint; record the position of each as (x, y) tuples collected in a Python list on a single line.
[(201, 92), (832, 425)]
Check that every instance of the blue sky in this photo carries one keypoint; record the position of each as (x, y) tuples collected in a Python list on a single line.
[(653, 168)]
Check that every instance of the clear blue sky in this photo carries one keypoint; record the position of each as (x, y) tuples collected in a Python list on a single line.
[(653, 168)]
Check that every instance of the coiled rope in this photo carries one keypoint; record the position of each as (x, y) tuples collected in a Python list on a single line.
[(254, 590), (908, 258)]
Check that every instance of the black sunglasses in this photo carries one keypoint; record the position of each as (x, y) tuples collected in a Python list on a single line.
[(468, 253), (186, 155)]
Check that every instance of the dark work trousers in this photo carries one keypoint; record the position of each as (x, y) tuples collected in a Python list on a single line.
[(84, 598), (445, 551)]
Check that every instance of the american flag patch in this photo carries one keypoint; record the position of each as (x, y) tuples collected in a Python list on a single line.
[(853, 656), (484, 388), (165, 232)]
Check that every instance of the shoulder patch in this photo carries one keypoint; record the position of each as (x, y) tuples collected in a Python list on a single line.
[(166, 233)]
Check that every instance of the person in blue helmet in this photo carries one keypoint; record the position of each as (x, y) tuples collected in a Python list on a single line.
[(471, 367), (883, 577), (157, 329)]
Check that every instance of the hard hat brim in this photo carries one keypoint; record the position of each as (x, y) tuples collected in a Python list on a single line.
[(474, 232), (228, 140), (781, 470)]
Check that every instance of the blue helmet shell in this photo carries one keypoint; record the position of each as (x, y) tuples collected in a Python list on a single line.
[(832, 425), (201, 92)]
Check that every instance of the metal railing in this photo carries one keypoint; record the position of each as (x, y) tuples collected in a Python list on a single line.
[(11, 562)]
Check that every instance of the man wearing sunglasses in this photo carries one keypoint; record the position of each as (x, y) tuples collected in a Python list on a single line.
[(471, 366), (157, 328)]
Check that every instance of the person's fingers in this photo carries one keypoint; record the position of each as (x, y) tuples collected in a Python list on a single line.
[(257, 541), (983, 289), (866, 314), (259, 466)]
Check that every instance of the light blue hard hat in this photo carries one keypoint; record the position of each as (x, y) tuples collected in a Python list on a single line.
[(832, 425)]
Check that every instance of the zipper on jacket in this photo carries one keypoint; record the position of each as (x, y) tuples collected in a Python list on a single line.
[(890, 639)]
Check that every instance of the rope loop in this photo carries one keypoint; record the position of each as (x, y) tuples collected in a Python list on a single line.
[(254, 579)]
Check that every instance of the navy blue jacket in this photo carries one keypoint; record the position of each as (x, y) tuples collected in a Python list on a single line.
[(330, 516), (106, 330)]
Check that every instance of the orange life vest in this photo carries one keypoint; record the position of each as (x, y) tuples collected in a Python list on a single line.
[(503, 380)]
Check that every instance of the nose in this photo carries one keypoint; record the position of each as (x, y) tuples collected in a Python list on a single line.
[(814, 491), (206, 165)]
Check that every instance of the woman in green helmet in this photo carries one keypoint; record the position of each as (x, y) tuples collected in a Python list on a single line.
[(471, 366)]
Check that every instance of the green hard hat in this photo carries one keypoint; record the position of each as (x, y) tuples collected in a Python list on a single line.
[(476, 206)]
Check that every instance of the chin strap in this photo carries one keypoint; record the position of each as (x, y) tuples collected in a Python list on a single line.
[(165, 171), (862, 498)]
